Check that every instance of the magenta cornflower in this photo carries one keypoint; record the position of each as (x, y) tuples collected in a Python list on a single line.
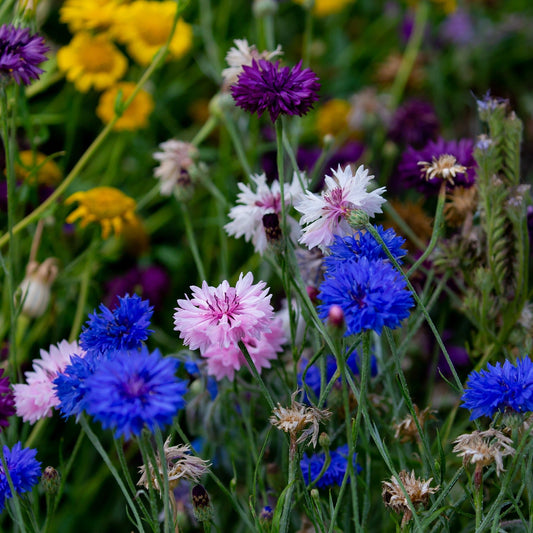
[(264, 86), (7, 402), (20, 54), (223, 315)]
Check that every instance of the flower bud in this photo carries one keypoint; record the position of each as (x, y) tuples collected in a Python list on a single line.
[(336, 316), (51, 480), (202, 508), (35, 289)]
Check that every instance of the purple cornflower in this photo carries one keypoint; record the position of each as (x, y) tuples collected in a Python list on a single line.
[(264, 86), (363, 244), (411, 174), (23, 469), (414, 124), (371, 294), (134, 389), (500, 388), (20, 54), (7, 401), (122, 329), (334, 474)]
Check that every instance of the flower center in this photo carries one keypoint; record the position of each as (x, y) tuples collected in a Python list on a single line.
[(97, 58), (135, 387), (225, 307), (153, 31), (270, 202)]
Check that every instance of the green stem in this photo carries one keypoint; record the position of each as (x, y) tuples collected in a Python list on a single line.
[(287, 503), (237, 144), (14, 493), (281, 176), (192, 240), (205, 130), (169, 522), (102, 136), (100, 449)]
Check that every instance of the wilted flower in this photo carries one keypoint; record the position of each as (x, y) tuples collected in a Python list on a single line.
[(445, 168), (406, 430), (175, 159), (180, 464), (417, 489), (301, 422), (483, 448), (461, 203)]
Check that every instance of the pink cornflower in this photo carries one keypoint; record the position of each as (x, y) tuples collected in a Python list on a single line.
[(36, 398), (223, 362), (223, 315), (326, 214), (247, 218)]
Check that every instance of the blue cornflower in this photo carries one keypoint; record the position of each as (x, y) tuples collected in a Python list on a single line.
[(363, 244), (334, 474), (23, 469), (135, 389), (312, 376), (500, 388), (371, 294), (124, 328), (70, 384)]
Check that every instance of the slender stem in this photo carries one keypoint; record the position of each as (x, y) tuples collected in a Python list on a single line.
[(281, 175), (100, 449), (287, 503), (237, 144), (16, 503), (192, 240), (205, 130), (256, 375), (169, 522)]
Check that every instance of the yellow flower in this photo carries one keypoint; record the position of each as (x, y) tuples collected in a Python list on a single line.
[(35, 167), (322, 8), (106, 205), (332, 117), (137, 113), (145, 27), (91, 61), (89, 14)]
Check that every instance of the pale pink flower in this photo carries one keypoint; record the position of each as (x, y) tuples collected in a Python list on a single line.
[(175, 160), (223, 315), (223, 362), (36, 398), (247, 218), (326, 214), (243, 54)]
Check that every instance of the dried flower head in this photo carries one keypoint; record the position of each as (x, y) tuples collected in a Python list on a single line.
[(483, 448), (444, 167), (461, 203), (180, 464), (300, 421), (406, 430), (417, 489)]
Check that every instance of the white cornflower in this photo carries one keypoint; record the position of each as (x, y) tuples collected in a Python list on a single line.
[(175, 160), (244, 54), (247, 218), (326, 214)]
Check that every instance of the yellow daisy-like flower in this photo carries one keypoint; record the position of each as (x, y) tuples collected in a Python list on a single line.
[(106, 205), (91, 61), (322, 8), (332, 117), (34, 168), (135, 116), (82, 15), (145, 27)]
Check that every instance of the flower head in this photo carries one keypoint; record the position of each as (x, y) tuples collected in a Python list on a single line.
[(326, 214), (371, 294), (37, 168), (247, 218), (93, 15), (300, 421), (179, 464), (500, 388), (175, 159), (145, 26), (418, 490), (7, 401), (363, 244), (137, 113), (91, 61), (223, 315), (424, 169), (224, 361), (24, 471), (20, 54), (135, 389), (407, 430), (124, 328), (483, 448), (106, 205), (263, 86), (243, 54), (37, 398)]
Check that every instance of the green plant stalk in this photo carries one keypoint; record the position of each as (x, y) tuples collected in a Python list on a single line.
[(478, 501), (237, 144), (255, 374), (149, 462), (169, 521), (291, 481), (192, 240), (15, 498), (102, 136), (205, 130), (100, 449), (406, 229)]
